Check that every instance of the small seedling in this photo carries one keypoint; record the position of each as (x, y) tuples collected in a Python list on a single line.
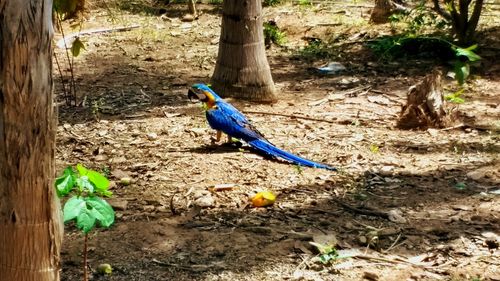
[(299, 169), (273, 34), (305, 3), (455, 97), (85, 206), (460, 186), (464, 56), (96, 108), (327, 253)]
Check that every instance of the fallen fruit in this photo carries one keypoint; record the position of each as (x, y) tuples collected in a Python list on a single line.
[(263, 199), (104, 268)]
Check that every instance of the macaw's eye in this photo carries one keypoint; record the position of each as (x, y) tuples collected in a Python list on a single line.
[(195, 93)]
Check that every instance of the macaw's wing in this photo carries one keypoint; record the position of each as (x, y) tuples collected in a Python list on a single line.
[(225, 117)]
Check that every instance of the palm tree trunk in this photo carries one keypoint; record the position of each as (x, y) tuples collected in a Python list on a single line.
[(242, 69), (30, 219)]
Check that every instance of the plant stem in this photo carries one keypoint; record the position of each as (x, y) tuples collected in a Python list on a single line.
[(85, 273)]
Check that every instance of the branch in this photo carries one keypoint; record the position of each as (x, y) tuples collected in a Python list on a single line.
[(440, 10), (374, 213), (474, 19), (290, 116)]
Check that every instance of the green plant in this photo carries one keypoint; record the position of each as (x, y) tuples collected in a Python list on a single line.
[(327, 253), (415, 40), (273, 34), (66, 9), (464, 56), (305, 2), (455, 97), (391, 47), (419, 20), (96, 106), (464, 23), (85, 206), (315, 49)]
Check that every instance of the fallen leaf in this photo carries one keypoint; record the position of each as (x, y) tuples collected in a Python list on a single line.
[(379, 100), (396, 216)]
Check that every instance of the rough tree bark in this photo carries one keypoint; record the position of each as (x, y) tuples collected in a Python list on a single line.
[(425, 106), (30, 219), (384, 8), (192, 8), (242, 69)]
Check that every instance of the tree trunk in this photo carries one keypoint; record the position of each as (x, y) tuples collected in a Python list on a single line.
[(242, 69), (464, 27), (30, 218), (192, 8)]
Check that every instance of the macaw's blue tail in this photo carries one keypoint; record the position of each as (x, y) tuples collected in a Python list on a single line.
[(271, 150)]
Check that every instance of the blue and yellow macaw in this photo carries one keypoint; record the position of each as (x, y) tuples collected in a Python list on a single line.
[(224, 117)]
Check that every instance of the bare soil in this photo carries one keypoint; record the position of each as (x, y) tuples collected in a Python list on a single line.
[(406, 205)]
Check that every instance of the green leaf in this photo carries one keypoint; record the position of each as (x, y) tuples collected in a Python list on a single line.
[(81, 169), (467, 52), (455, 97), (76, 47), (101, 210), (105, 193), (84, 184), (65, 183), (100, 182), (461, 70), (73, 208), (374, 148), (460, 186), (86, 220)]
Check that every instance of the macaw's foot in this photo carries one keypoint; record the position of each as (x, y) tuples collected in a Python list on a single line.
[(234, 143), (217, 138)]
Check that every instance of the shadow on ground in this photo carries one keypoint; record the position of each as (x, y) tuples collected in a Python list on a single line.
[(236, 240)]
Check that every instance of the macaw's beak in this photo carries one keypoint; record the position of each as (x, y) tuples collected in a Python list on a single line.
[(193, 94)]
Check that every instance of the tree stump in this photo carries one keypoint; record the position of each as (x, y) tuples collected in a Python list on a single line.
[(425, 106), (382, 10)]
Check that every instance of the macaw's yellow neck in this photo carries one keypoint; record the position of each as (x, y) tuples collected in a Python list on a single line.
[(210, 102)]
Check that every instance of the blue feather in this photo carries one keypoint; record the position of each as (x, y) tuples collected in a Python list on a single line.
[(271, 150), (224, 117)]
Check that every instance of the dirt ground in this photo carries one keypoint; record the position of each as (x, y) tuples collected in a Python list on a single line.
[(405, 205)]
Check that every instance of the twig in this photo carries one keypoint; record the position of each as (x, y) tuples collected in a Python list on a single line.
[(393, 244), (304, 261), (72, 83), (62, 43), (374, 213), (66, 94), (85, 271), (172, 207), (290, 116), (454, 127)]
